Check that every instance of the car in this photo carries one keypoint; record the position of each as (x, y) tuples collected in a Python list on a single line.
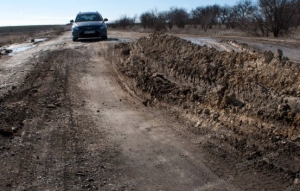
[(89, 25)]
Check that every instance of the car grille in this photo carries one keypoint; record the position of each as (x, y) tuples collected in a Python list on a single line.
[(96, 34), (88, 28)]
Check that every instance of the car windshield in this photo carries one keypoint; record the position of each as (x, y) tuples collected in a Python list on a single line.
[(88, 17)]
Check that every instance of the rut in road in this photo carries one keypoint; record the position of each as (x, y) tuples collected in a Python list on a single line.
[(49, 148), (155, 157)]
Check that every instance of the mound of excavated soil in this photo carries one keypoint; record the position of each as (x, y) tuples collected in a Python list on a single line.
[(254, 97)]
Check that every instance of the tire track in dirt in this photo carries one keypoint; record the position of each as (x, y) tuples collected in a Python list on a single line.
[(49, 149), (153, 156)]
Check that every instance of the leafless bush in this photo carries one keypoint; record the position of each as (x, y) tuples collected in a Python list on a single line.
[(279, 15), (155, 20), (206, 17), (245, 13), (125, 21), (259, 18), (178, 16)]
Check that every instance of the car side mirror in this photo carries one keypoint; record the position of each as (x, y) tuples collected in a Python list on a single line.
[(105, 19), (71, 21)]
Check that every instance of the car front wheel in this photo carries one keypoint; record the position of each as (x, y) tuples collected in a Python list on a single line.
[(75, 39)]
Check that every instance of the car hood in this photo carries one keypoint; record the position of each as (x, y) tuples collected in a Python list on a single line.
[(91, 23)]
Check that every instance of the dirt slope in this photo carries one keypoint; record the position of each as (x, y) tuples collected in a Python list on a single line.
[(249, 101), (156, 114)]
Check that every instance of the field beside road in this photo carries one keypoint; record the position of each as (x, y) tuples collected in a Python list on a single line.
[(18, 34)]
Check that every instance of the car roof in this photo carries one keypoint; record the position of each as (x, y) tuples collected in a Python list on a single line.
[(81, 13)]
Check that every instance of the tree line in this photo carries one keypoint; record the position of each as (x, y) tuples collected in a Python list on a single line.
[(260, 18)]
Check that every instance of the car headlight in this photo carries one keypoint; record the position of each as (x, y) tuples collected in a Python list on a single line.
[(102, 27), (75, 28)]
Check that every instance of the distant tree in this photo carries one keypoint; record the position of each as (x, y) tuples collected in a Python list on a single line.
[(148, 19), (170, 21), (279, 15), (154, 19), (243, 13), (178, 16), (223, 14), (259, 17), (163, 20), (216, 11), (205, 16), (125, 21), (261, 28), (195, 16), (231, 21)]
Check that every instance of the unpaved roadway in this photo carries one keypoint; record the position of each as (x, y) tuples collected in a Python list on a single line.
[(70, 122)]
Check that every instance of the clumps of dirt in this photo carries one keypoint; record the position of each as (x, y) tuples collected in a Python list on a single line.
[(5, 51), (243, 47), (253, 95), (12, 117), (259, 85)]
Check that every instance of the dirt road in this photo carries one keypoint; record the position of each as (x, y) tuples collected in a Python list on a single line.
[(69, 121)]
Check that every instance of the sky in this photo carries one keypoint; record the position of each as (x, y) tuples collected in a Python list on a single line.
[(40, 12)]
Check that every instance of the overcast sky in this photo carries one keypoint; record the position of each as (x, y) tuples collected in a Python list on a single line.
[(37, 12)]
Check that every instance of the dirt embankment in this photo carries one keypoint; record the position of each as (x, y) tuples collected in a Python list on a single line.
[(250, 101)]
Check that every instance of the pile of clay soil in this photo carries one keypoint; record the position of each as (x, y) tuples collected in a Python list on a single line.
[(252, 98)]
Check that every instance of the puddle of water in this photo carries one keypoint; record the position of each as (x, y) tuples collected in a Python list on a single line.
[(121, 40), (201, 41), (291, 53), (20, 48), (212, 43), (40, 39), (24, 46), (126, 40)]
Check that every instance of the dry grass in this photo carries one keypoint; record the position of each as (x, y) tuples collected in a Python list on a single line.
[(22, 34), (189, 29), (216, 31), (12, 38)]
